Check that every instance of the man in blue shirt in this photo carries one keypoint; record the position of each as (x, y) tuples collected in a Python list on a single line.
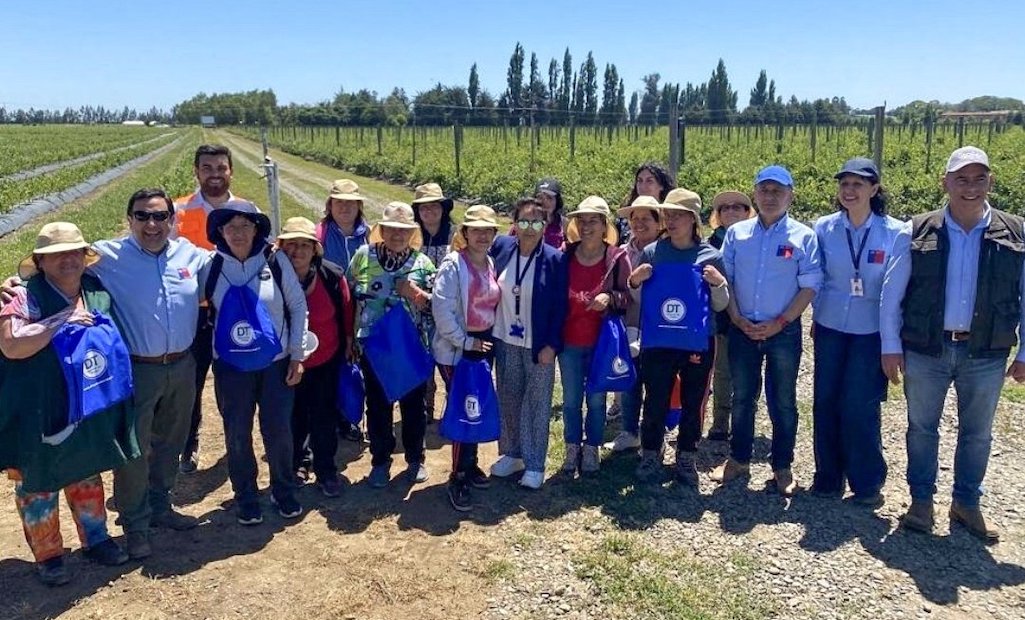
[(971, 257), (773, 265)]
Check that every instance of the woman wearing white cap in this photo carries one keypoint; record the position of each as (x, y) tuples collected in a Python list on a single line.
[(598, 270), (391, 270), (315, 415), (682, 285), (58, 297), (464, 304)]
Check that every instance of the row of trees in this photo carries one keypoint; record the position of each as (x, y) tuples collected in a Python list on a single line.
[(83, 114)]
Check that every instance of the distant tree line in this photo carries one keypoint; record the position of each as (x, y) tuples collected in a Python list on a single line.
[(82, 115)]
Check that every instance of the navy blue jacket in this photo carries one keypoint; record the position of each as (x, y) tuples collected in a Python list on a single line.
[(550, 298)]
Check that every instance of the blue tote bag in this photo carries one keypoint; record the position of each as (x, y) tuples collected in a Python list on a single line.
[(612, 368), (244, 337), (396, 353), (351, 392), (471, 411), (676, 311)]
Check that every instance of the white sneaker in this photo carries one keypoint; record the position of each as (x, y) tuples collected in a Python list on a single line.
[(506, 466), (532, 479), (624, 441)]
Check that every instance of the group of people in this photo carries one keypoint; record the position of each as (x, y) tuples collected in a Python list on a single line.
[(106, 346)]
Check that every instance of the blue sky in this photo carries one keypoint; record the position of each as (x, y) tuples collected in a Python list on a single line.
[(68, 53)]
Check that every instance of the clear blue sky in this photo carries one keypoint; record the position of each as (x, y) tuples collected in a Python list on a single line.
[(67, 53)]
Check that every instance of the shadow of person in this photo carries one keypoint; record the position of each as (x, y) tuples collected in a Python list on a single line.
[(193, 488)]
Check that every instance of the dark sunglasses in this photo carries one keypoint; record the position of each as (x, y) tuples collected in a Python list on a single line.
[(145, 216), (537, 225)]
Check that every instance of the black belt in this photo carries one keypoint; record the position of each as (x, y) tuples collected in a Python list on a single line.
[(956, 336), (163, 360)]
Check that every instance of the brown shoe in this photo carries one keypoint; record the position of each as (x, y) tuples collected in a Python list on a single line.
[(785, 483), (729, 470), (919, 516), (972, 519)]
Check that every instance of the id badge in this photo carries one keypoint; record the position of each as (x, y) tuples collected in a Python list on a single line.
[(857, 287), (517, 330)]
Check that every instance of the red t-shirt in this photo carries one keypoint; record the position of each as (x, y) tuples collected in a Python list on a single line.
[(582, 325), (323, 323)]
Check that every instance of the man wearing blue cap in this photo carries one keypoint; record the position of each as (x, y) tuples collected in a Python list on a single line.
[(773, 265), (950, 309)]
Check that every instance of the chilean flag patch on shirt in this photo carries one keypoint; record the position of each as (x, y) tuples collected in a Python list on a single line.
[(876, 256), (786, 251), (183, 272)]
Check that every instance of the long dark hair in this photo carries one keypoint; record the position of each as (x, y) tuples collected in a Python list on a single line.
[(878, 203), (657, 170)]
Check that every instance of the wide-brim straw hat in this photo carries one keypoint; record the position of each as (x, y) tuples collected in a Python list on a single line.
[(300, 228), (431, 192), (725, 198), (398, 215), (345, 189), (477, 216), (54, 238), (641, 202), (682, 199), (595, 205)]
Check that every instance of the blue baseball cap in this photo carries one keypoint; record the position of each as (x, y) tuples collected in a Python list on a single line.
[(860, 166), (779, 174)]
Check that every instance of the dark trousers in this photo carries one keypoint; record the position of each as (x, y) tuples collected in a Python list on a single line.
[(315, 417), (659, 367), (203, 352), (849, 389), (464, 455), (379, 420), (238, 394)]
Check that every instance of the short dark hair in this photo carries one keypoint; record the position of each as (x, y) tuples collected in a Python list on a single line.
[(145, 194), (526, 202), (215, 150)]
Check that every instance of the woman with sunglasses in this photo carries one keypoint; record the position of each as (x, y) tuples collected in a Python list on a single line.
[(528, 337), (728, 208)]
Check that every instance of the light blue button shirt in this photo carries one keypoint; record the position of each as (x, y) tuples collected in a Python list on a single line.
[(962, 277), (835, 306), (767, 267), (156, 297)]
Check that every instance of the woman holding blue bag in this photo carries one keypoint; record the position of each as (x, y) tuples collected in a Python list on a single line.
[(315, 415), (465, 303), (391, 278), (598, 270), (259, 322), (680, 285), (54, 433)]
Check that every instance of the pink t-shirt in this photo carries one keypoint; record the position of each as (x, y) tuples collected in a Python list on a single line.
[(484, 296)]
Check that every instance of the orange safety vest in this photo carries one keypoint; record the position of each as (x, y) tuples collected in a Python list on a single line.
[(190, 215)]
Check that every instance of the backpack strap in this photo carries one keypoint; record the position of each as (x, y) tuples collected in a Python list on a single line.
[(216, 265), (270, 255)]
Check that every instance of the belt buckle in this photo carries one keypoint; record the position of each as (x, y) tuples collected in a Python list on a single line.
[(163, 359)]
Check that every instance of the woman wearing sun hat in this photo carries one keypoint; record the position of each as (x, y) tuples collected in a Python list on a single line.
[(259, 323), (465, 303), (315, 415), (728, 208), (58, 299), (391, 270), (680, 283), (344, 228), (856, 244), (598, 270)]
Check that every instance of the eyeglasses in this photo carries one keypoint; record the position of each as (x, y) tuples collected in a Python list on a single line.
[(734, 207), (536, 225), (145, 216)]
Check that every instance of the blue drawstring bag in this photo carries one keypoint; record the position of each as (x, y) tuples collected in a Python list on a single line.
[(396, 353), (471, 411), (244, 336), (612, 367), (676, 311), (97, 370), (351, 392)]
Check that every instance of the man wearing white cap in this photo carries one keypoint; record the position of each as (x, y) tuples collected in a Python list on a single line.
[(970, 256)]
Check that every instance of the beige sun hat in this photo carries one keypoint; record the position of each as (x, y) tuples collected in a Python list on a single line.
[(682, 199), (300, 228), (728, 197), (592, 205), (641, 202), (54, 238), (431, 192), (398, 215), (345, 189), (477, 216)]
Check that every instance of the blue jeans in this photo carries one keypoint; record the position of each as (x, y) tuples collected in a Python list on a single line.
[(238, 394), (574, 366), (977, 382), (782, 357), (849, 389)]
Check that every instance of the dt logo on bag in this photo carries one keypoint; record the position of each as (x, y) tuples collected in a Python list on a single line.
[(242, 333), (471, 404), (674, 310), (94, 364), (619, 366)]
